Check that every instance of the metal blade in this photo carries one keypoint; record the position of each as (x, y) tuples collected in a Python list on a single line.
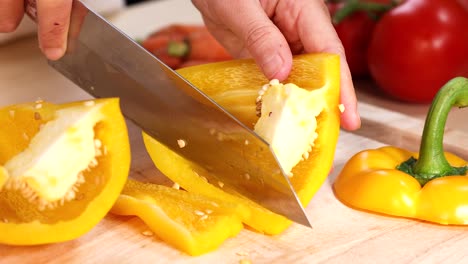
[(106, 63)]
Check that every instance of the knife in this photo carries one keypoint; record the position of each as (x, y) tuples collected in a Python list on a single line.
[(106, 63)]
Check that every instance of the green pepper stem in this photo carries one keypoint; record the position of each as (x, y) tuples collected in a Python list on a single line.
[(432, 162), (352, 6), (178, 48)]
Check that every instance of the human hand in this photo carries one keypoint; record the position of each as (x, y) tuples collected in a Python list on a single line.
[(271, 31), (53, 22)]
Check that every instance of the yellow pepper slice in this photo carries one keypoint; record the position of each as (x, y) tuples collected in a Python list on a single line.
[(190, 222), (63, 166), (235, 85), (431, 185)]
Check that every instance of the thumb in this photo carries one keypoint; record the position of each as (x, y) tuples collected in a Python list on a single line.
[(269, 49), (264, 41)]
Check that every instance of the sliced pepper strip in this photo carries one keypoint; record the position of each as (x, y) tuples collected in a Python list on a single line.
[(190, 177), (21, 221), (190, 222), (431, 185)]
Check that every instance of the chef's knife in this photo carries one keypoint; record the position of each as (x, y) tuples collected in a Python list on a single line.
[(106, 63)]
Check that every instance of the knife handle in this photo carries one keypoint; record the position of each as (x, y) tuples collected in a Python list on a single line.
[(30, 8)]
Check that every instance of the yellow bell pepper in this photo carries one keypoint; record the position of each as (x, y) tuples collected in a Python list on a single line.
[(431, 185), (62, 168), (235, 85), (190, 222)]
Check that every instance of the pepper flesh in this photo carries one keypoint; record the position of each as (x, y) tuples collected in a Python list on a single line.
[(41, 172), (235, 85), (22, 222), (282, 108), (371, 181), (188, 221)]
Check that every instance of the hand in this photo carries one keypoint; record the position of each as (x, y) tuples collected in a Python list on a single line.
[(53, 22), (271, 31)]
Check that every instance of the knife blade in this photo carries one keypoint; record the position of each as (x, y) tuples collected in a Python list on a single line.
[(105, 62)]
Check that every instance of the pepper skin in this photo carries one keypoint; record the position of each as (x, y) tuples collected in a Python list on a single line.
[(431, 185), (22, 222), (192, 223)]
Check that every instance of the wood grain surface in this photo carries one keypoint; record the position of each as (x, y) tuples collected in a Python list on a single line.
[(339, 234)]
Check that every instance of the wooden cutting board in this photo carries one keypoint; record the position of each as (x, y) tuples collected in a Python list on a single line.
[(339, 234)]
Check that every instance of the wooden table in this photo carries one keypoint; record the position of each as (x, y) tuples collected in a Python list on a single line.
[(340, 234)]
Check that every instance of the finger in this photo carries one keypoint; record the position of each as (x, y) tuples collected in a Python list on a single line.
[(265, 43), (53, 18), (318, 35), (350, 119), (11, 13)]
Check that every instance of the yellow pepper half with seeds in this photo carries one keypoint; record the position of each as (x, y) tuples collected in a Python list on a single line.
[(61, 168), (235, 85), (431, 185)]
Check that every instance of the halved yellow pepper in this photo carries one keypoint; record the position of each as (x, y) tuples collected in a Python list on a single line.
[(188, 221), (63, 167), (235, 85)]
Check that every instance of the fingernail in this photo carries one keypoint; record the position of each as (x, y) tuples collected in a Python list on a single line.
[(272, 66), (53, 53)]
